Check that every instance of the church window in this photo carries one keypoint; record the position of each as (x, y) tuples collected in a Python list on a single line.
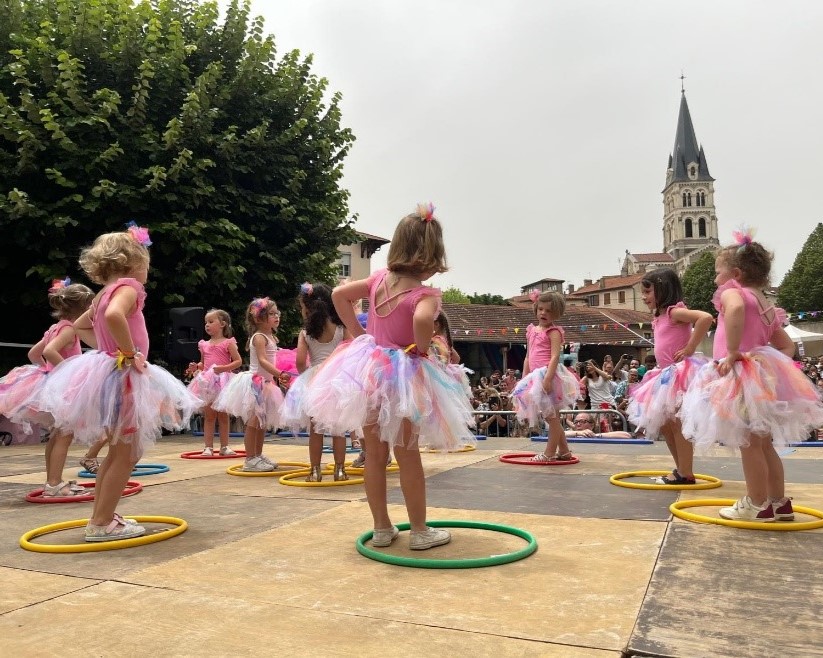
[(689, 199), (692, 171), (684, 199), (703, 199), (689, 231), (701, 227)]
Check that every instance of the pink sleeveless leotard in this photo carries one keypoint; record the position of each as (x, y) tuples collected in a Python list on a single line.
[(394, 328), (757, 328), (669, 336), (136, 322), (539, 344)]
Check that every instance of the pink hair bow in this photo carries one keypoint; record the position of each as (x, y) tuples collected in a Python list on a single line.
[(140, 234), (306, 288), (743, 237), (426, 211), (59, 284), (534, 293), (260, 305)]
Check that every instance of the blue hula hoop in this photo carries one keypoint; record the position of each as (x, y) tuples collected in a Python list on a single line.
[(139, 469)]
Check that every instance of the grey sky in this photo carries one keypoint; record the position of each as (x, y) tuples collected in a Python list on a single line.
[(541, 130)]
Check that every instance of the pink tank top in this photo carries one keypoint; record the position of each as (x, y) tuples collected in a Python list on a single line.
[(216, 354), (539, 344), (393, 327), (72, 349), (669, 336), (757, 329), (136, 322)]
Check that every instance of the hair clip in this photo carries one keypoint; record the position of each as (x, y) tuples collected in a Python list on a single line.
[(426, 211), (260, 305), (140, 234), (534, 293), (743, 237), (59, 284), (306, 288)]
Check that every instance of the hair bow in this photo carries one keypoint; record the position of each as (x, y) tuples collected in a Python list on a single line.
[(306, 288), (534, 293), (426, 211), (743, 237), (59, 284), (140, 234), (260, 305)]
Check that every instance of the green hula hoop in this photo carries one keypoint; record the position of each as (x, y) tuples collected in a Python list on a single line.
[(465, 563)]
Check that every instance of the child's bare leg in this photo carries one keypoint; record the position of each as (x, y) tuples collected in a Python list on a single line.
[(668, 434), (250, 438), (412, 478), (775, 482), (209, 418), (96, 447), (57, 449), (111, 480), (223, 424), (315, 447), (557, 443), (684, 451), (376, 477), (338, 444), (756, 469)]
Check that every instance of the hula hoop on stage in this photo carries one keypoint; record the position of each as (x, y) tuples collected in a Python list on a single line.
[(233, 435), (466, 448), (89, 547), (139, 469), (36, 496), (586, 439), (464, 563), (290, 480), (196, 454), (709, 481), (524, 459), (328, 450), (299, 467), (676, 509)]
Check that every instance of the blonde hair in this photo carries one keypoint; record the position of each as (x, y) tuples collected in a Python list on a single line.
[(556, 302), (113, 254), (71, 301), (753, 261), (223, 317), (417, 246)]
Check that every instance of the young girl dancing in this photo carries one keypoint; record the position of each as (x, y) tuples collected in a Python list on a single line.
[(253, 395), (113, 390), (218, 357), (20, 389), (442, 346), (546, 386), (322, 332), (384, 383), (677, 333), (752, 396)]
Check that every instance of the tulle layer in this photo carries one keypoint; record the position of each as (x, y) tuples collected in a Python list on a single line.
[(90, 397), (764, 394), (19, 394), (361, 384), (293, 414), (250, 396), (207, 385), (531, 402), (658, 398)]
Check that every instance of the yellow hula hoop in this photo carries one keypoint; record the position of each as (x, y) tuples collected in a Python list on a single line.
[(289, 480), (676, 509), (466, 448), (300, 467), (709, 482), (88, 547)]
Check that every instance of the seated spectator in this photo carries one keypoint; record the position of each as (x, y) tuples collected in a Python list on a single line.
[(495, 424), (584, 428)]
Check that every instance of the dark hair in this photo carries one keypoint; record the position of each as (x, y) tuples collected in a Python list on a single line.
[(319, 309), (666, 286), (443, 320)]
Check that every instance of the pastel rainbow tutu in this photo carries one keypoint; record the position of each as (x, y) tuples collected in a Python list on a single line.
[(764, 394), (531, 402), (361, 384), (90, 397), (658, 398), (207, 385), (18, 391), (293, 415), (248, 395)]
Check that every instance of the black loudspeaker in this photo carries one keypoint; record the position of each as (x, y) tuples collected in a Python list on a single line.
[(186, 328)]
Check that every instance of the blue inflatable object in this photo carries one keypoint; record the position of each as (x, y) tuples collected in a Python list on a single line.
[(328, 449), (139, 469), (637, 442), (807, 444), (480, 437)]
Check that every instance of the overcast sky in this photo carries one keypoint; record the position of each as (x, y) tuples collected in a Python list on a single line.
[(541, 130)]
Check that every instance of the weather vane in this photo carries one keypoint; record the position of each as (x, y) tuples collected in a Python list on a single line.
[(682, 77)]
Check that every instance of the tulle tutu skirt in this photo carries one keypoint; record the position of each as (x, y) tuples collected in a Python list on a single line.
[(531, 402), (361, 384), (764, 394), (18, 396), (90, 397), (294, 414), (248, 396), (658, 398), (207, 385)]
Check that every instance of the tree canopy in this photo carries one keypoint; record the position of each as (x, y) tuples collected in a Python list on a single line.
[(698, 284), (159, 112), (455, 296), (486, 298), (802, 287)]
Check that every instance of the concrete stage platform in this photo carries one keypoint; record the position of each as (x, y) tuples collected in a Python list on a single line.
[(266, 569)]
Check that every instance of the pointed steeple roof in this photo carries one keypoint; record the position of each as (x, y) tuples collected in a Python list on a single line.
[(686, 148)]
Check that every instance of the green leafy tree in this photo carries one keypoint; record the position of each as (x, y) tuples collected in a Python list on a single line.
[(486, 298), (802, 287), (698, 284), (112, 110), (455, 296)]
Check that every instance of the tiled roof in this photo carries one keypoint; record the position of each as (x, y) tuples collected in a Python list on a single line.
[(654, 258), (611, 283), (507, 324), (369, 236)]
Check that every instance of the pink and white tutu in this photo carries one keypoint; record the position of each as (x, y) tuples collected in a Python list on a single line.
[(532, 403), (764, 394), (361, 384), (657, 399), (248, 395), (18, 393), (207, 385), (293, 415), (90, 397)]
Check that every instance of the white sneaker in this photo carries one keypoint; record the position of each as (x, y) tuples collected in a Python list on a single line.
[(268, 461), (225, 451), (745, 510), (207, 452), (384, 536), (428, 538), (257, 465)]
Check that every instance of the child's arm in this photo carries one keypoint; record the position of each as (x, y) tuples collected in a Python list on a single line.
[(258, 344), (551, 369), (194, 367), (734, 315), (302, 352), (526, 368), (701, 320), (36, 352), (423, 322), (83, 328), (123, 302), (782, 343), (454, 356), (235, 362), (343, 297), (61, 341)]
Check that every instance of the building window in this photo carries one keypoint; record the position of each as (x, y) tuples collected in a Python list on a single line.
[(689, 231), (701, 227), (621, 297), (607, 298), (689, 198), (594, 300), (345, 265), (684, 199)]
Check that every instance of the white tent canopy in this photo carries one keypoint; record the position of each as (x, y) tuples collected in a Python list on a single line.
[(802, 336)]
